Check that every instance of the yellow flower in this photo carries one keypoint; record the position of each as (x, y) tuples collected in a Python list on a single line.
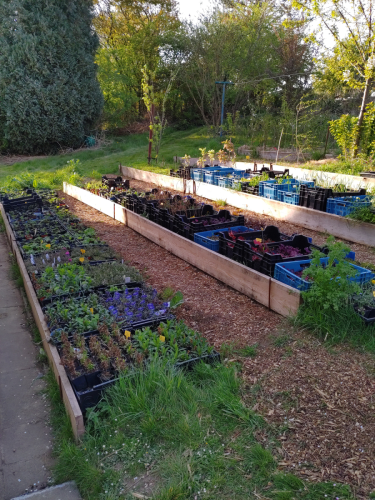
[(162, 338), (83, 250), (247, 157), (92, 310), (127, 334), (48, 245), (373, 282), (81, 259), (373, 293)]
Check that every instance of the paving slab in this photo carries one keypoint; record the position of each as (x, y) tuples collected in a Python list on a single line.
[(17, 387), (12, 318), (23, 477), (66, 491), (17, 352), (26, 438), (10, 295)]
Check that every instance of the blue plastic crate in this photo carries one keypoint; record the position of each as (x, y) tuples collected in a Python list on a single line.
[(283, 273), (203, 238), (309, 184), (265, 183), (344, 206), (290, 198), (224, 182), (272, 191), (212, 177), (198, 175)]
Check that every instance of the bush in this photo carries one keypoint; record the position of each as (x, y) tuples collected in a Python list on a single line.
[(49, 95)]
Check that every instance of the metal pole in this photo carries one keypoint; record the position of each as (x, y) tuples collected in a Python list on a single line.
[(222, 111), (150, 134)]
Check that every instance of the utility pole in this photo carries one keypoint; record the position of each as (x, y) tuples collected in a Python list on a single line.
[(224, 83)]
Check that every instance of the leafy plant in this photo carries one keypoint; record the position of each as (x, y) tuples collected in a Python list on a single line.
[(331, 287)]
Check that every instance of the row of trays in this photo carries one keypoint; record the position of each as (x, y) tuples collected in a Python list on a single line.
[(150, 314)]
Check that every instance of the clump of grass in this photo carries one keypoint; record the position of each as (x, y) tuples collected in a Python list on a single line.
[(190, 431), (16, 273), (221, 203), (232, 349)]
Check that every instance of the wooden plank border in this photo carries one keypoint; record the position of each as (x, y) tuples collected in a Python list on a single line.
[(347, 229), (281, 298), (66, 391)]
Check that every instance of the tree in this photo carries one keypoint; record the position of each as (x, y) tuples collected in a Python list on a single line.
[(49, 94), (132, 34), (351, 25)]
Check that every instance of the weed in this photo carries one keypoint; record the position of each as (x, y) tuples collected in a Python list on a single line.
[(221, 203), (232, 349), (16, 273), (282, 340)]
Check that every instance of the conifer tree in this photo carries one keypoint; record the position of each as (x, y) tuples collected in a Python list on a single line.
[(49, 94)]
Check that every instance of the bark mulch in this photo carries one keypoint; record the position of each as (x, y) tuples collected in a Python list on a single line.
[(322, 401)]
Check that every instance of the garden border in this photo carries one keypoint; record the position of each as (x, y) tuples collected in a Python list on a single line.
[(280, 298), (66, 390), (346, 229)]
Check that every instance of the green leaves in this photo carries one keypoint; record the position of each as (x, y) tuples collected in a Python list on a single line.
[(331, 285)]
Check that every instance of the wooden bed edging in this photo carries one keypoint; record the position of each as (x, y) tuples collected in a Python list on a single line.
[(278, 297), (346, 229), (66, 391)]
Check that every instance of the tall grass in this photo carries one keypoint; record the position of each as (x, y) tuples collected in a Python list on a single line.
[(192, 435)]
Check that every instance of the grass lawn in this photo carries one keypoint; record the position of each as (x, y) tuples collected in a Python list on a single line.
[(129, 150)]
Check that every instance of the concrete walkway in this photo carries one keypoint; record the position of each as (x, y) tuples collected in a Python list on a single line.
[(25, 437)]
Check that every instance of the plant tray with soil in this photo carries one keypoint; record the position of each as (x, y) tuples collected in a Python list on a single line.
[(264, 256), (93, 363), (222, 220), (232, 245)]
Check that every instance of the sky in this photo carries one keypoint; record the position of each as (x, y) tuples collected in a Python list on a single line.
[(193, 8)]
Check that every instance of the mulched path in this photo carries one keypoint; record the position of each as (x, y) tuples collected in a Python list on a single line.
[(322, 400)]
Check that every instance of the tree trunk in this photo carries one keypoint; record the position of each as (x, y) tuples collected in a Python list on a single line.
[(360, 118)]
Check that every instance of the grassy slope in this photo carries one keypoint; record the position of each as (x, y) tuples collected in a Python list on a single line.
[(130, 150)]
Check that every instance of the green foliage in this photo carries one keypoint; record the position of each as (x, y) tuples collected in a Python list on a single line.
[(368, 131), (49, 94), (344, 131), (331, 287), (363, 214)]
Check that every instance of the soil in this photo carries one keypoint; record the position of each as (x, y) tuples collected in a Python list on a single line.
[(321, 400)]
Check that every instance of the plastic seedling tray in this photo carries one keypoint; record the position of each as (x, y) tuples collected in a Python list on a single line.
[(265, 261), (235, 249), (204, 237)]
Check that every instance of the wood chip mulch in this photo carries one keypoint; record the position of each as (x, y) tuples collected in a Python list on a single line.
[(321, 401)]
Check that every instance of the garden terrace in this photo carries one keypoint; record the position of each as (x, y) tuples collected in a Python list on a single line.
[(284, 361), (313, 394)]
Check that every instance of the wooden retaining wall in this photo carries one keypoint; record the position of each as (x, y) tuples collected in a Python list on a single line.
[(265, 290), (66, 391), (341, 227)]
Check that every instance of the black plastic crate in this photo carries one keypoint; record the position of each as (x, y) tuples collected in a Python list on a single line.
[(316, 198), (196, 225), (250, 189), (176, 221), (265, 262), (234, 249)]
